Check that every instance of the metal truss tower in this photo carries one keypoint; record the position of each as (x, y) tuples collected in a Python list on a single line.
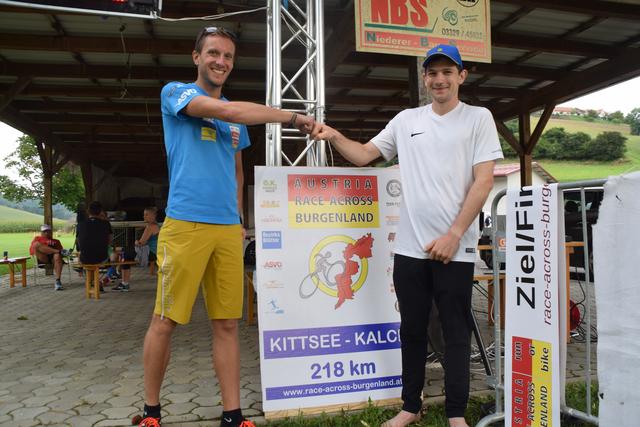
[(292, 23)]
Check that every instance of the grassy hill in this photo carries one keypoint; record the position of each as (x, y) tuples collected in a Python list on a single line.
[(565, 171), (15, 220)]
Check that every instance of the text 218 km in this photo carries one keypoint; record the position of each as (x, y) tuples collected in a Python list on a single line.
[(340, 369)]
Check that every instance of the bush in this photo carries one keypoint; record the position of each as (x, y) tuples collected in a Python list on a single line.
[(544, 149), (573, 147), (507, 150), (606, 147)]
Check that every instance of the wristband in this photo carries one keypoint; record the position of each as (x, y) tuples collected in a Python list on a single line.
[(292, 122)]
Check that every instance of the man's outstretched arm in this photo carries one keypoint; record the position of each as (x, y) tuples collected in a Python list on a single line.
[(356, 153), (247, 113)]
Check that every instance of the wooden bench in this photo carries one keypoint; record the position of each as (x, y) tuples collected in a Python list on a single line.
[(92, 276)]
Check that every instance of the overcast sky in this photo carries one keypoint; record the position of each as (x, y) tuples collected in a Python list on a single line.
[(624, 97)]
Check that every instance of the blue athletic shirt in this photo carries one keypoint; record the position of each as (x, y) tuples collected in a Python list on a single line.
[(201, 159)]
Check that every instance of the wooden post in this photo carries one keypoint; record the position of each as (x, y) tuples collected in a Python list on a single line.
[(46, 161), (524, 125), (87, 180), (418, 94)]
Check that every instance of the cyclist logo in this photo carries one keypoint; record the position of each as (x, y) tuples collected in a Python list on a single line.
[(338, 276)]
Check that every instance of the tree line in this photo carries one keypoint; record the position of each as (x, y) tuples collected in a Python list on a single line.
[(558, 144)]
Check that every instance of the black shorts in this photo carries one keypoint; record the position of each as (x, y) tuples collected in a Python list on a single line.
[(129, 255), (45, 259)]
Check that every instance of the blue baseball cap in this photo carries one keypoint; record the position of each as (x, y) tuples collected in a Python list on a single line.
[(445, 50)]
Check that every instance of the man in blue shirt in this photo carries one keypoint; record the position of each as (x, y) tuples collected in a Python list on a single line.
[(200, 242)]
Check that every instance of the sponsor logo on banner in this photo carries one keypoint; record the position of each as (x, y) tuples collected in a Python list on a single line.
[(333, 201), (338, 267), (271, 240), (269, 185), (273, 307), (266, 204), (394, 188), (415, 26), (273, 284), (271, 219), (392, 219), (235, 135), (272, 265)]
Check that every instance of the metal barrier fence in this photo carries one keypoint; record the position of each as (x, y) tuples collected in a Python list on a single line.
[(497, 381)]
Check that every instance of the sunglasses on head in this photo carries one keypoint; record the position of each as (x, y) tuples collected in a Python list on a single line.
[(219, 30)]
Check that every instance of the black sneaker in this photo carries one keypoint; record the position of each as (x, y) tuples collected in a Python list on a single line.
[(58, 286), (121, 287)]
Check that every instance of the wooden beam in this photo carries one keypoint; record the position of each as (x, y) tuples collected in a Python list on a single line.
[(513, 18), (590, 80), (341, 41), (10, 91), (135, 92), (542, 123), (18, 120), (135, 45), (187, 73), (606, 9), (508, 136), (556, 45)]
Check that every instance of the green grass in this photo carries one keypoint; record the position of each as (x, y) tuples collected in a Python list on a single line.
[(17, 244), (373, 416), (8, 214), (565, 171), (592, 129), (434, 415)]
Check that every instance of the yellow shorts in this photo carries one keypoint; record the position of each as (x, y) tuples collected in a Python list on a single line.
[(194, 254)]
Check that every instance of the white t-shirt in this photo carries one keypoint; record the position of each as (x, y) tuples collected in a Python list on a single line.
[(436, 156)]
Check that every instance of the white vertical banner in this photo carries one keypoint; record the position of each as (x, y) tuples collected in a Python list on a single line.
[(535, 283), (328, 319)]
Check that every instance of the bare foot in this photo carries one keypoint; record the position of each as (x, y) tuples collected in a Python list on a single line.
[(457, 422), (402, 419)]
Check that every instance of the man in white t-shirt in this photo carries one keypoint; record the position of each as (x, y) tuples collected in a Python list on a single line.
[(446, 151)]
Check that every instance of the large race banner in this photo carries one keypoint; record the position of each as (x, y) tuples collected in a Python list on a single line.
[(535, 283), (411, 27), (328, 319)]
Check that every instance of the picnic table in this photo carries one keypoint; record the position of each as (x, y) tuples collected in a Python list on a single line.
[(12, 262)]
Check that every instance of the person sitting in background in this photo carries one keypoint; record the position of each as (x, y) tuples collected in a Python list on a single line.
[(150, 236), (48, 251), (94, 237)]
